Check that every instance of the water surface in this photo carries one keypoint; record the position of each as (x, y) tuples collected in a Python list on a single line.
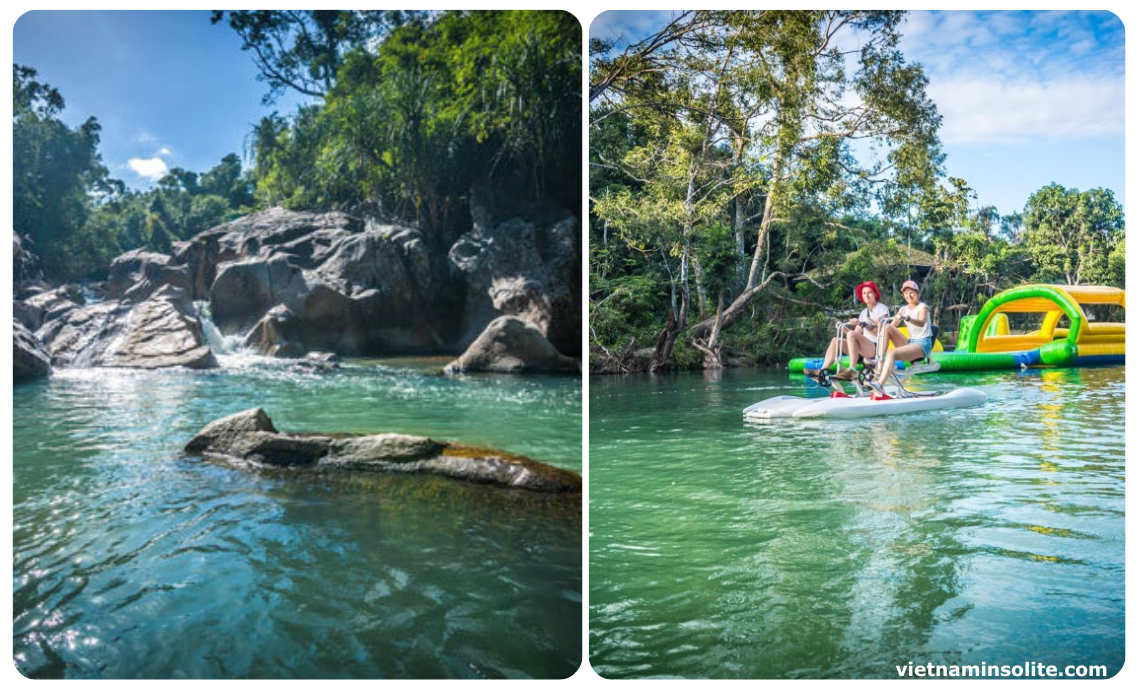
[(131, 560), (842, 549)]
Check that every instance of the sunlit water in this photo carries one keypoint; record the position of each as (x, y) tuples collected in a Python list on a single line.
[(131, 560), (846, 548)]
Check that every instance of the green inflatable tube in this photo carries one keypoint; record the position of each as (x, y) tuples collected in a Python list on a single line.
[(965, 361), (950, 361)]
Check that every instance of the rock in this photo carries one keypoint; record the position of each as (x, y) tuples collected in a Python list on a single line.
[(250, 436), (245, 290), (28, 315), (288, 283), (331, 283), (29, 359), (46, 306), (396, 448), (223, 433), (136, 275), (320, 361), (162, 331), (511, 345), (520, 269)]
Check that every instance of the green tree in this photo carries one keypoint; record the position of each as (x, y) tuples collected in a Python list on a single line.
[(1070, 234), (303, 50), (55, 168)]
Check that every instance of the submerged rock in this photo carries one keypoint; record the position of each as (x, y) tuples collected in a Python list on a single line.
[(512, 345), (250, 436)]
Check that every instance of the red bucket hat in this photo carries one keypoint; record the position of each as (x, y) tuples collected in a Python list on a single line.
[(874, 287)]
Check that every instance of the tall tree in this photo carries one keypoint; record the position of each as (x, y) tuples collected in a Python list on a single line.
[(1070, 234), (55, 168)]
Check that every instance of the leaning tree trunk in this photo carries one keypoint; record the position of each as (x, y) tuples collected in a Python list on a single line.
[(765, 224), (712, 349)]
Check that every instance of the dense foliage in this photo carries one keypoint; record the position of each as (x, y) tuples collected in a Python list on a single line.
[(464, 100), (731, 216), (414, 116)]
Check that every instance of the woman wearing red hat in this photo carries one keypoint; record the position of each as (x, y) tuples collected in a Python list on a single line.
[(921, 341), (862, 339)]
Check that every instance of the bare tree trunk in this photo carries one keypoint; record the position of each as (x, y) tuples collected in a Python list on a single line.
[(674, 324), (739, 212), (765, 225), (702, 293)]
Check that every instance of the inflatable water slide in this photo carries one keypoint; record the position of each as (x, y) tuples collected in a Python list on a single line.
[(1066, 336)]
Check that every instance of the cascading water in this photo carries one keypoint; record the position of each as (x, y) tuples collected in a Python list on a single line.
[(229, 349)]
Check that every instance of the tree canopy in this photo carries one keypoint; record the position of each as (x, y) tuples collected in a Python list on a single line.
[(788, 155)]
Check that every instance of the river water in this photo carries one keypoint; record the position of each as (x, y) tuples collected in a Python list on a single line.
[(131, 560), (842, 549)]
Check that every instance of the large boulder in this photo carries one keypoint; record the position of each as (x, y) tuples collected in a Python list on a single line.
[(288, 283), (294, 282), (512, 345), (29, 359), (521, 269), (137, 274), (162, 331), (250, 437), (48, 305)]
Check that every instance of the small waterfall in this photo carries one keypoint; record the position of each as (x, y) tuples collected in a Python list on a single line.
[(222, 345)]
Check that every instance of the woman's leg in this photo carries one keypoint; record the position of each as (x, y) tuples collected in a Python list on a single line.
[(859, 344), (910, 352), (897, 338), (829, 356)]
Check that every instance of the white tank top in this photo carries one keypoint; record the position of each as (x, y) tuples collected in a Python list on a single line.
[(872, 321), (913, 331)]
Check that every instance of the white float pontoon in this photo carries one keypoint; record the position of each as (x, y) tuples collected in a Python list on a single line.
[(897, 400)]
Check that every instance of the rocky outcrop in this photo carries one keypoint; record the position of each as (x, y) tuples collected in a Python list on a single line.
[(138, 274), (162, 331), (29, 359), (512, 345), (294, 282), (250, 437), (289, 283), (520, 269), (47, 306)]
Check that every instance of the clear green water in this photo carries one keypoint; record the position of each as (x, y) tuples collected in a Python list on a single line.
[(133, 561), (842, 549)]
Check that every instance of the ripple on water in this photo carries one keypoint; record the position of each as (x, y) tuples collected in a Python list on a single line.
[(842, 548), (131, 561)]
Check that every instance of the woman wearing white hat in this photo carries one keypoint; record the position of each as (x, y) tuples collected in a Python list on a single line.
[(921, 340)]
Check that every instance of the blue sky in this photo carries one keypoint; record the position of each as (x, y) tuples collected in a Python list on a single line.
[(1027, 98), (170, 89)]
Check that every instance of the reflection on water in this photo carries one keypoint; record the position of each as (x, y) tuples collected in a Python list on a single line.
[(131, 560), (843, 548)]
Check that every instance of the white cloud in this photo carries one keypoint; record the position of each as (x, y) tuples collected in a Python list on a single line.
[(163, 152), (993, 110), (1020, 77), (153, 168)]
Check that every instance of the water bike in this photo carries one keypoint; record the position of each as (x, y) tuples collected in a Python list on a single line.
[(871, 399)]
